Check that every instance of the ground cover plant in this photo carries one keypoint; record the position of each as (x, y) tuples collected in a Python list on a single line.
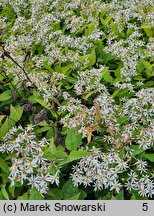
[(76, 99)]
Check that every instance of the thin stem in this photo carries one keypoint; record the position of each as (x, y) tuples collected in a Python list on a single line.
[(12, 84), (22, 68)]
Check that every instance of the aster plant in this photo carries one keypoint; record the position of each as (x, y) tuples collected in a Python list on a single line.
[(76, 99)]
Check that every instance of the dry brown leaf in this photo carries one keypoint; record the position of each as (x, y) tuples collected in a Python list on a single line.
[(97, 113), (90, 130)]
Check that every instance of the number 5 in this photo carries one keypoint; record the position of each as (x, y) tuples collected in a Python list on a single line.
[(145, 207)]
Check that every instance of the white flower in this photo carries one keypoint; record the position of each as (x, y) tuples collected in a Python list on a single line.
[(143, 191), (33, 181), (133, 176), (29, 127), (115, 185), (55, 179), (130, 186), (141, 164), (30, 165), (122, 165), (14, 171), (44, 188), (13, 180)]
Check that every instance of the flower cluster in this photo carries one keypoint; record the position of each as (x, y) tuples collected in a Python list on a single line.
[(92, 62), (42, 28), (89, 80), (128, 51), (102, 171), (128, 123), (140, 180), (28, 163), (47, 85)]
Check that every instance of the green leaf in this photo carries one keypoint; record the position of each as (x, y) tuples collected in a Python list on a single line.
[(136, 196), (87, 95), (139, 78), (49, 134), (12, 189), (69, 189), (83, 194), (92, 58), (6, 95), (133, 197), (123, 119), (148, 67), (4, 192), (49, 153), (114, 28), (103, 12), (136, 150), (10, 156), (73, 139), (150, 157), (8, 12), (4, 166), (4, 128), (116, 93), (75, 197), (55, 194), (43, 103), (121, 153), (120, 195), (113, 198), (52, 146), (122, 93), (1, 117), (148, 30), (23, 197), (53, 169), (90, 28), (117, 72), (70, 192), (106, 75), (148, 84), (65, 69), (56, 26), (1, 77), (16, 113), (43, 123), (43, 129), (82, 58), (75, 155), (106, 21), (71, 79), (63, 162), (2, 197), (129, 32), (60, 154), (53, 153), (35, 195)]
